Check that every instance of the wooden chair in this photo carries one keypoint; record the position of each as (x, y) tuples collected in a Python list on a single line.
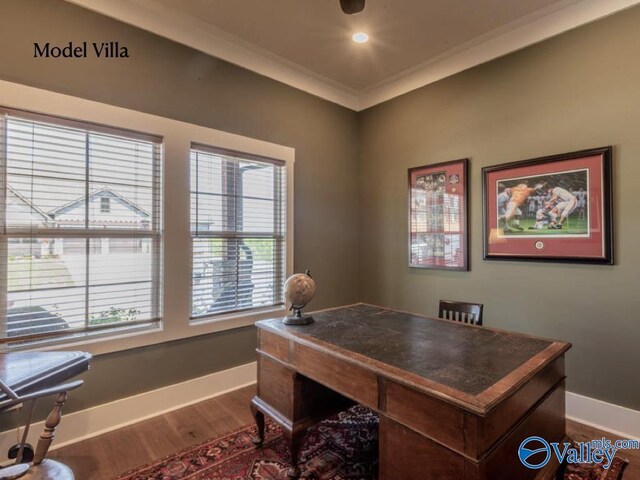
[(461, 312)]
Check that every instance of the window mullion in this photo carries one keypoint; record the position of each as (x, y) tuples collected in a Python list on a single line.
[(239, 223), (277, 229), (87, 239), (156, 228), (229, 207), (197, 229), (4, 243)]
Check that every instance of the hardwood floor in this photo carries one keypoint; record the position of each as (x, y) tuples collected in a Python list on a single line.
[(106, 456)]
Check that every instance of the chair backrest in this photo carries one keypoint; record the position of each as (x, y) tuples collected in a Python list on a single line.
[(461, 312)]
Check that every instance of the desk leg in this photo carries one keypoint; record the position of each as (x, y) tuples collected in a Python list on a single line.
[(292, 401), (292, 433), (259, 418), (294, 439)]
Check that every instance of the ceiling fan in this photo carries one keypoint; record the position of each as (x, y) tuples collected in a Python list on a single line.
[(352, 6)]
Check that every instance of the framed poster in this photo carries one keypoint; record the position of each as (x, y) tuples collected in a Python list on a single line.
[(438, 216), (551, 209)]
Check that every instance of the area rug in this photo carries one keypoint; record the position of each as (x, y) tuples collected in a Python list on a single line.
[(343, 447), (596, 472)]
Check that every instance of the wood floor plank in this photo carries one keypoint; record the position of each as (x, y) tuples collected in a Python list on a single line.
[(123, 450), (237, 406), (158, 438), (88, 459), (201, 422), (108, 455)]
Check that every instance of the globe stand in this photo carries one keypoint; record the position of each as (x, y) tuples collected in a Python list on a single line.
[(297, 318)]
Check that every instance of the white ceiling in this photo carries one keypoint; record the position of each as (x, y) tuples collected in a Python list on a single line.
[(307, 43), (316, 35)]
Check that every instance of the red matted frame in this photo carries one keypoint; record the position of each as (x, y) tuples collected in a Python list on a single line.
[(550, 209), (438, 222)]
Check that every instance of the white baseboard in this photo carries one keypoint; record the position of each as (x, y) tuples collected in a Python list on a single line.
[(78, 426), (605, 416)]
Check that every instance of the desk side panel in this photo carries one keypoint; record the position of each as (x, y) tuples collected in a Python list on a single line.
[(507, 414), (276, 385), (407, 455), (546, 420)]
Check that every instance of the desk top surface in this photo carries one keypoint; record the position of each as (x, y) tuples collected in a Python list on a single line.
[(465, 359)]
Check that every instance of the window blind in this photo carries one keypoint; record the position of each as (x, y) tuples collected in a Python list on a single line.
[(80, 227), (238, 226)]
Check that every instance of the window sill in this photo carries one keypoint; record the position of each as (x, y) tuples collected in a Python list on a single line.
[(254, 313), (165, 331), (81, 340)]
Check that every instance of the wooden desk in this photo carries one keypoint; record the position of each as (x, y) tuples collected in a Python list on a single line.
[(28, 373), (455, 401)]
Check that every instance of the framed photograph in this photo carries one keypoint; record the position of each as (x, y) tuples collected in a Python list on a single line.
[(438, 216), (551, 209)]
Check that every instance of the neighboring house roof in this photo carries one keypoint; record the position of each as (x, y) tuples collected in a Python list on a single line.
[(21, 199), (104, 192)]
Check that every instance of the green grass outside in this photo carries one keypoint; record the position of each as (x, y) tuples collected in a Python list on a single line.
[(572, 226)]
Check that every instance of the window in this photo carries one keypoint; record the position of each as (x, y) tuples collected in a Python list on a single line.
[(80, 232), (238, 219), (105, 205)]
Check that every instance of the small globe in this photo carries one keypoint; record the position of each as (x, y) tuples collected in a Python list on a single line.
[(299, 289)]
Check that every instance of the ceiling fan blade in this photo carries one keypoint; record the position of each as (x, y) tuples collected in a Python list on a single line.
[(352, 6)]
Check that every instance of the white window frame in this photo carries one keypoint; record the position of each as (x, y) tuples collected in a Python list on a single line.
[(215, 317), (176, 280), (88, 233)]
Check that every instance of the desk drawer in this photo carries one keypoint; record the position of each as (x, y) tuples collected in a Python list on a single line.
[(274, 345), (433, 418), (342, 376)]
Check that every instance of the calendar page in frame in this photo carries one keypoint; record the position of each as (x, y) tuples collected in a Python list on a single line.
[(438, 216)]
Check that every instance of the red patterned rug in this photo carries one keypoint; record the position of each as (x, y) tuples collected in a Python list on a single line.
[(344, 447)]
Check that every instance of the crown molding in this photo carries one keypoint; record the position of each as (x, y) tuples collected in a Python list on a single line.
[(197, 34), (510, 38), (206, 38)]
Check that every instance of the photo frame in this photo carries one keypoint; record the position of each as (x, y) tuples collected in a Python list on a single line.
[(550, 209), (438, 221)]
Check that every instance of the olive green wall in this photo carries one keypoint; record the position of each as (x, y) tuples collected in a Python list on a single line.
[(576, 91), (168, 79)]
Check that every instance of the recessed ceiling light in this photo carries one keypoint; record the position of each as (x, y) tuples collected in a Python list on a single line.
[(360, 37)]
